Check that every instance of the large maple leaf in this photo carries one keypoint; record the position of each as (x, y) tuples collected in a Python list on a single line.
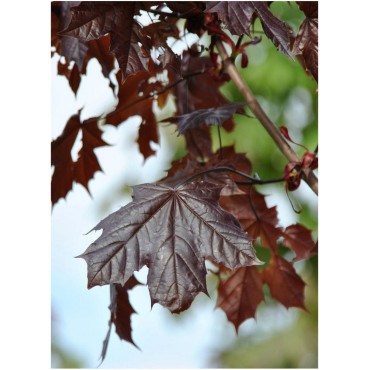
[(171, 231), (306, 42), (239, 15), (66, 171), (240, 294), (91, 20)]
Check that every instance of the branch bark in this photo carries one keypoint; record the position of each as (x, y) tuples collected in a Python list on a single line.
[(270, 127)]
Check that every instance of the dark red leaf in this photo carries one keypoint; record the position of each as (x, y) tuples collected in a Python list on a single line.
[(186, 167), (121, 311), (275, 29), (172, 232), (158, 32), (69, 47), (309, 8), (284, 283), (306, 42), (87, 163), (240, 294), (61, 159), (238, 16), (198, 92), (99, 49), (299, 239), (128, 94), (66, 171), (91, 20), (256, 219), (210, 116), (73, 75)]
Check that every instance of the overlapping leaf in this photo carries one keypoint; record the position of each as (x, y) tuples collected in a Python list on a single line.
[(284, 283), (129, 105), (171, 231), (198, 92), (306, 42), (66, 171), (210, 116), (299, 239), (239, 15), (185, 167), (75, 50), (255, 217), (240, 294), (91, 20), (120, 313)]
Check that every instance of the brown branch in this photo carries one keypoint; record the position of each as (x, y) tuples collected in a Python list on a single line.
[(270, 127)]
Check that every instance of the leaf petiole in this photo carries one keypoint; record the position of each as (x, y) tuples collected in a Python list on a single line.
[(253, 180)]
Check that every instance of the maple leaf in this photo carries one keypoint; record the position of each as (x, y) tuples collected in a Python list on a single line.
[(91, 20), (240, 294), (99, 49), (198, 92), (299, 239), (71, 48), (306, 41), (185, 167), (66, 171), (255, 217), (171, 231), (238, 16), (210, 116), (120, 313), (73, 75), (76, 50), (284, 283), (128, 106)]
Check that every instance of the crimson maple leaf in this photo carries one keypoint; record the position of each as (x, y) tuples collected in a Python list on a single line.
[(120, 313), (240, 294), (129, 105), (66, 171), (91, 20), (171, 231), (299, 239), (239, 15), (255, 217), (306, 41), (284, 283)]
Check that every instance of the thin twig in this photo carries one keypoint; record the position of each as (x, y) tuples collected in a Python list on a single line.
[(270, 127), (220, 142), (253, 180), (252, 204)]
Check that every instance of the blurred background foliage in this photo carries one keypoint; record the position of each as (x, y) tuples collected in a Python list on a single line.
[(290, 99)]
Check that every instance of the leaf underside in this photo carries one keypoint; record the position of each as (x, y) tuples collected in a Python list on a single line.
[(210, 116)]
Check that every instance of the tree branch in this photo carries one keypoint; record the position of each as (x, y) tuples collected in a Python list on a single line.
[(270, 127)]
